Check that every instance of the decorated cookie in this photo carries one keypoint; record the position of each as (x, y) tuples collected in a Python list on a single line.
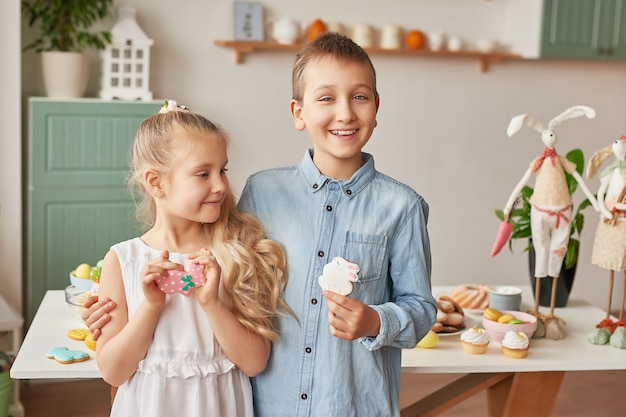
[(78, 334), (182, 281), (338, 276), (90, 343), (66, 356)]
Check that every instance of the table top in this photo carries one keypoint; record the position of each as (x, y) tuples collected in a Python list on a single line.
[(573, 353), (49, 329), (54, 318)]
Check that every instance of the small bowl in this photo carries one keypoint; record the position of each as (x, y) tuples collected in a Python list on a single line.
[(81, 283), (497, 330), (75, 298)]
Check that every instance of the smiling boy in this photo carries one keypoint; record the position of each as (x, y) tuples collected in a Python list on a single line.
[(342, 356)]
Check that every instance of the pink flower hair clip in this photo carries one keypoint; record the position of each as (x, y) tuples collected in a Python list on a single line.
[(171, 105)]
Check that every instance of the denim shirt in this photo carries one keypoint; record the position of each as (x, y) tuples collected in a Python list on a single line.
[(373, 221)]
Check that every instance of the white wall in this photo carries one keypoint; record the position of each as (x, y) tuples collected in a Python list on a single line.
[(10, 151), (441, 126)]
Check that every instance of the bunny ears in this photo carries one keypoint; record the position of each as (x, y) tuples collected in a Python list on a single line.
[(618, 149), (171, 105), (575, 111)]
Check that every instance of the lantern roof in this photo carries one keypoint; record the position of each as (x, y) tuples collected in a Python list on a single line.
[(126, 28)]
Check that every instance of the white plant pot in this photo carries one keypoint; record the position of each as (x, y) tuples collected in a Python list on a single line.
[(65, 74)]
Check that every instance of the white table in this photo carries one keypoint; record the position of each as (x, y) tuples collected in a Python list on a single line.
[(516, 387), (49, 329)]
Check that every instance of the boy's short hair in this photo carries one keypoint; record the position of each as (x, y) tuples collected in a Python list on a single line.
[(332, 45)]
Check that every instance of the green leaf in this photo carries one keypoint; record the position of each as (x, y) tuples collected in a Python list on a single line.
[(64, 25)]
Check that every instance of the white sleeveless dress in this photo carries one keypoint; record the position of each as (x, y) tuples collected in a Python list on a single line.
[(185, 372)]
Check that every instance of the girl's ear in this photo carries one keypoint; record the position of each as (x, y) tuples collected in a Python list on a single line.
[(296, 114), (153, 183)]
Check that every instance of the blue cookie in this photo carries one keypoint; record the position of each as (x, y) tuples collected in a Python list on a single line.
[(64, 355)]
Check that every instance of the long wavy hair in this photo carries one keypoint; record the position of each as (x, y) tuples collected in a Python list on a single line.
[(253, 267)]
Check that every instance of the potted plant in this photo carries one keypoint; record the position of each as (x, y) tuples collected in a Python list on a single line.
[(64, 37), (6, 384), (519, 218)]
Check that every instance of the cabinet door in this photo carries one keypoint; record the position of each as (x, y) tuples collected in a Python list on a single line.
[(585, 29), (71, 226), (77, 199)]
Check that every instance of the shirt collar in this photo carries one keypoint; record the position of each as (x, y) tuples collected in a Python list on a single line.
[(316, 181)]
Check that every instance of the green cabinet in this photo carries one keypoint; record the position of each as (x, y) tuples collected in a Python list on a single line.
[(77, 201), (584, 29)]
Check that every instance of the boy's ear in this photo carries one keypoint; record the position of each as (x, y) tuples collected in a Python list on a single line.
[(296, 114), (152, 180), (377, 105)]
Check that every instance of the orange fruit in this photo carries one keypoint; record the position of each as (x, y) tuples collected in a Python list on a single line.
[(317, 28), (415, 39)]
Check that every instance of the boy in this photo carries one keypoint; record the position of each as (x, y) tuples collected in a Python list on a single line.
[(341, 357)]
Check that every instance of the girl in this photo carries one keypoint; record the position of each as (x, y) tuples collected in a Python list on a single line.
[(171, 354)]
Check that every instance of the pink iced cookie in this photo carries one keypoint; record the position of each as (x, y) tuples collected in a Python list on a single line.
[(182, 281), (338, 276)]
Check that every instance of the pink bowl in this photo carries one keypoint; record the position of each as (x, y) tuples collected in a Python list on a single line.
[(497, 330)]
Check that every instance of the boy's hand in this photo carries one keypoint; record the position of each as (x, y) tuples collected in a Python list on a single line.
[(350, 319), (95, 314)]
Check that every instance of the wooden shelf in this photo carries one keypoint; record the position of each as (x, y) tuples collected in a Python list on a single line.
[(242, 48)]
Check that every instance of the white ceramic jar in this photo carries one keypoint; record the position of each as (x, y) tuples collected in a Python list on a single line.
[(363, 35), (285, 31), (390, 36)]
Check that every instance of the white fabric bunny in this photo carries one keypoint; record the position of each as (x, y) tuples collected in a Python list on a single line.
[(551, 202), (609, 247)]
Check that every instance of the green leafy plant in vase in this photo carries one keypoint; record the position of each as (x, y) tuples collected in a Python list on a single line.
[(519, 218), (64, 35)]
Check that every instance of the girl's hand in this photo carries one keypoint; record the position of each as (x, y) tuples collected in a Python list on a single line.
[(153, 270), (208, 294), (350, 319)]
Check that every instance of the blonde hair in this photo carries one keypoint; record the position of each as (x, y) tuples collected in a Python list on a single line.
[(328, 45), (253, 267)]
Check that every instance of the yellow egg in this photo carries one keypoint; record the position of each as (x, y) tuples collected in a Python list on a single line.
[(430, 340), (492, 314), (505, 318), (83, 271)]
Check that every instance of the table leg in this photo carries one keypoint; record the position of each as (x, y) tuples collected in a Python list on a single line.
[(525, 394), (452, 394)]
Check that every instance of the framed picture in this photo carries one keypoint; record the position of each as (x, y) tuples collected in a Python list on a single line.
[(249, 25)]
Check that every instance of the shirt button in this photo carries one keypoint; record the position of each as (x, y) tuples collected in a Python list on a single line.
[(320, 254), (314, 301), (349, 192), (303, 396), (315, 186), (329, 208), (307, 350)]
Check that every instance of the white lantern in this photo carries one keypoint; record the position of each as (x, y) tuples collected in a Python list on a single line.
[(126, 61)]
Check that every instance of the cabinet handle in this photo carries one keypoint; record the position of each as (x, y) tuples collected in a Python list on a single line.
[(609, 51), (601, 51)]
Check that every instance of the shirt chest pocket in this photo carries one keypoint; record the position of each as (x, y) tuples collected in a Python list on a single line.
[(368, 252)]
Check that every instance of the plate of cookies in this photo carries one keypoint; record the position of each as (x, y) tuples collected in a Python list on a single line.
[(451, 319)]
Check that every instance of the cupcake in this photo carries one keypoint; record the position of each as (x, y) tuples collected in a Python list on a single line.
[(475, 340), (515, 344)]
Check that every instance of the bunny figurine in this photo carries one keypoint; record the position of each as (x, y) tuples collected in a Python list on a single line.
[(551, 206), (609, 246)]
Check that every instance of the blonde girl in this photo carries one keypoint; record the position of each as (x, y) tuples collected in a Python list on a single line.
[(173, 355)]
